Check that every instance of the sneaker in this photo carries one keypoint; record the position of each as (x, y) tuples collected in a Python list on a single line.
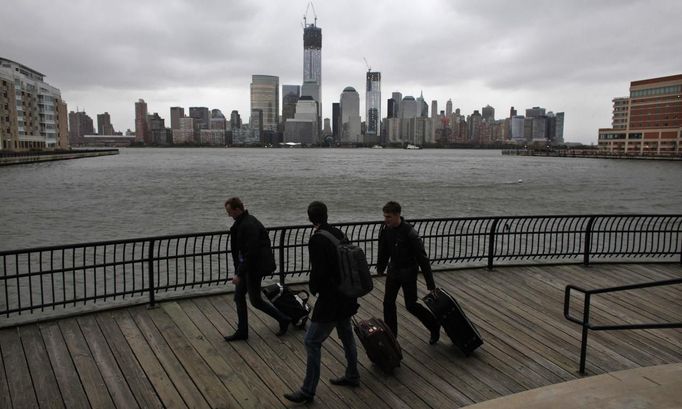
[(283, 327), (237, 336), (299, 397), (435, 335), (343, 381)]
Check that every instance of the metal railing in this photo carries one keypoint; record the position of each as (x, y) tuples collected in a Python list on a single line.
[(59, 278), (587, 302)]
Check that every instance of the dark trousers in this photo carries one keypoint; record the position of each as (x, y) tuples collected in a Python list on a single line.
[(410, 293), (250, 283)]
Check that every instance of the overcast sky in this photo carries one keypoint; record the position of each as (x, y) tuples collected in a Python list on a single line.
[(569, 56)]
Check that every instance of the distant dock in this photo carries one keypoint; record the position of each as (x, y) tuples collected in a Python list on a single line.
[(590, 153), (18, 158)]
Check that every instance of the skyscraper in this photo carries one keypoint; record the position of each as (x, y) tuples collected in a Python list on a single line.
[(290, 95), (265, 97), (201, 116), (175, 114), (80, 124), (448, 108), (104, 126), (350, 116), (141, 126), (488, 113), (312, 59), (373, 106)]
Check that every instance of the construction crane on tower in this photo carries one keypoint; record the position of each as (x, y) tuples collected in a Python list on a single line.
[(369, 69), (305, 16)]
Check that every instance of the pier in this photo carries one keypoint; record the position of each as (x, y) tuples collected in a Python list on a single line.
[(18, 158), (142, 322)]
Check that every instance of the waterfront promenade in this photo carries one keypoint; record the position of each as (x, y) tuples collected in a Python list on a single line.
[(20, 158), (175, 356)]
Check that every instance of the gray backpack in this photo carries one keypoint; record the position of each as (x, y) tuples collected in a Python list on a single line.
[(355, 280)]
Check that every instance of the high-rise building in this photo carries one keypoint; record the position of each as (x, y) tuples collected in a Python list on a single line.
[(265, 97), (620, 113), (80, 124), (350, 116), (104, 126), (32, 113), (512, 112), (303, 128), (422, 106), (235, 120), (201, 117), (398, 98), (290, 96), (312, 58), (653, 121), (373, 107), (535, 111), (175, 114), (141, 126), (448, 108), (488, 113), (336, 121)]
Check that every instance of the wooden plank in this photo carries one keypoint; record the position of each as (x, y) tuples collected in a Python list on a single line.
[(112, 376), (276, 353), (231, 372), (89, 374), (65, 372), (166, 391), (259, 378), (5, 398), (44, 381), (182, 381), (133, 373), (19, 377), (215, 392), (478, 375)]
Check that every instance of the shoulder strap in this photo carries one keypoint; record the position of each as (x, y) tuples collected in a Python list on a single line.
[(330, 236)]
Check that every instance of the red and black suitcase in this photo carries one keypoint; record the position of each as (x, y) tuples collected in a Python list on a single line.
[(461, 331), (379, 342)]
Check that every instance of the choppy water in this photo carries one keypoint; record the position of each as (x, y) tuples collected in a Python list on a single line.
[(145, 192)]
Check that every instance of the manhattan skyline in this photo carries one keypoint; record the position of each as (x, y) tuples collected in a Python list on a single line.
[(573, 57)]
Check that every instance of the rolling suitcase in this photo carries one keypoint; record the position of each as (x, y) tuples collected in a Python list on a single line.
[(461, 331), (379, 342), (294, 305)]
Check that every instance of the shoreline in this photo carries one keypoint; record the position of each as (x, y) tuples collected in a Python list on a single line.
[(21, 158)]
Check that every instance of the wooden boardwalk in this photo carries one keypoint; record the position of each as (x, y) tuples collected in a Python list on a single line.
[(175, 356)]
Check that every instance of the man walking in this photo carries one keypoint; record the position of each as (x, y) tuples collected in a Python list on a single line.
[(400, 243), (253, 258), (332, 309)]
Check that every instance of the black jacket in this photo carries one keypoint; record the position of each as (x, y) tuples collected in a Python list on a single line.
[(250, 243), (405, 250), (324, 279)]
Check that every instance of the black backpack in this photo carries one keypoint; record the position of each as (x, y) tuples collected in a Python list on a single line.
[(355, 280)]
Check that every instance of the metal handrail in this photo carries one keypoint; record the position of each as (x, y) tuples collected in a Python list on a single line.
[(585, 321), (66, 276)]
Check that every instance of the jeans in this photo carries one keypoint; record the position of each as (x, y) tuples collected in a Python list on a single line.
[(410, 293), (314, 337), (251, 283)]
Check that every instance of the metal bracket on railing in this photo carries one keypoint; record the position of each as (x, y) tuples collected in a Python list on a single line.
[(588, 241), (491, 244), (150, 269)]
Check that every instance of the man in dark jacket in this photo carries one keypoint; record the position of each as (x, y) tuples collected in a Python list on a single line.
[(332, 309), (253, 258), (400, 243)]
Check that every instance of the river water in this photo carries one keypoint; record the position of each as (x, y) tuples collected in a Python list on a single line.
[(147, 191)]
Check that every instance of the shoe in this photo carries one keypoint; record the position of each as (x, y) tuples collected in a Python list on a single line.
[(283, 327), (343, 381), (237, 336), (299, 397), (435, 335)]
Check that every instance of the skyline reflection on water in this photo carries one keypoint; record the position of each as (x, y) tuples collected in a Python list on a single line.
[(156, 191)]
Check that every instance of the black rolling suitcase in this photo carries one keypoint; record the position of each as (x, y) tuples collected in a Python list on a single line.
[(461, 331), (379, 342), (294, 305)]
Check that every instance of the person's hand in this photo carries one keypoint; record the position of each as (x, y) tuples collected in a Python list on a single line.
[(235, 280)]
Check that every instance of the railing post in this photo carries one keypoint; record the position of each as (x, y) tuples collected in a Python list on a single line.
[(588, 241), (491, 244), (150, 268), (281, 257), (586, 323)]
